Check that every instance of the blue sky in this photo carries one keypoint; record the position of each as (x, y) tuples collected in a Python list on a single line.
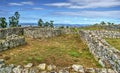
[(63, 11)]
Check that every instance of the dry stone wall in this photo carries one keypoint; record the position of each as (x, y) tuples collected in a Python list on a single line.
[(44, 68), (9, 31), (11, 37), (41, 32), (107, 34), (35, 32), (104, 53)]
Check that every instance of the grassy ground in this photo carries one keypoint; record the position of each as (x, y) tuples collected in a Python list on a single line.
[(92, 28), (114, 42), (61, 51)]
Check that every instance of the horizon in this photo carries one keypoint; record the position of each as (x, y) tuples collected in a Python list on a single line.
[(63, 11)]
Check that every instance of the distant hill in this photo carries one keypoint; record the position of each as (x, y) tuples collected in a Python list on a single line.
[(56, 25)]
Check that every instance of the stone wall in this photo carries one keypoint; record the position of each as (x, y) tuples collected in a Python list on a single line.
[(11, 37), (11, 41), (44, 68), (107, 34), (41, 32), (37, 32), (9, 31), (104, 53)]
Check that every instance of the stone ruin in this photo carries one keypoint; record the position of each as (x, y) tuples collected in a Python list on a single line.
[(36, 32), (11, 37), (104, 53)]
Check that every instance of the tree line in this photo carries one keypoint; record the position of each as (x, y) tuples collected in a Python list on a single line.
[(14, 22), (41, 23), (102, 23)]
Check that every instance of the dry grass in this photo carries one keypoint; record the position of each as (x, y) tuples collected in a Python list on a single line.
[(62, 51), (114, 42)]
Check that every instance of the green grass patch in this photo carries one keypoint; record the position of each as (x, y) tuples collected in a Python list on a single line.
[(63, 51), (74, 53), (114, 42)]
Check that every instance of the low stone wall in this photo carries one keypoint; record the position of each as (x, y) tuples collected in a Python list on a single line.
[(105, 54), (11, 37), (44, 68), (41, 32), (37, 32), (11, 41), (106, 34)]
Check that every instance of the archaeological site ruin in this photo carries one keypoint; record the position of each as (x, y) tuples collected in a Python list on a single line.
[(105, 54)]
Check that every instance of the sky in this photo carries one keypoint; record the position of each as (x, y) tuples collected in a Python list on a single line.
[(63, 11)]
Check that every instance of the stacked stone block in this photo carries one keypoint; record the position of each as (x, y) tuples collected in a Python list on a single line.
[(104, 53)]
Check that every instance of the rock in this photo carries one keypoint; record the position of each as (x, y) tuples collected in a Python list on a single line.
[(42, 66), (51, 67), (111, 71), (25, 70), (17, 69), (90, 70), (101, 63), (1, 61), (63, 71), (28, 65), (78, 68), (34, 70), (8, 69), (103, 70), (2, 65)]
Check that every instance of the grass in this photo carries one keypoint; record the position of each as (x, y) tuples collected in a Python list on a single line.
[(92, 28), (61, 51), (114, 42)]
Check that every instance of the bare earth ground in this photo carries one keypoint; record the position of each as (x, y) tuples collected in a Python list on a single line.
[(61, 51), (114, 42)]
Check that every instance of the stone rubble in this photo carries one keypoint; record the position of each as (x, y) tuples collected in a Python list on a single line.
[(44, 68), (103, 52), (11, 41)]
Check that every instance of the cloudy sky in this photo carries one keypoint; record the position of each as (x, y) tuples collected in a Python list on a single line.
[(63, 11)]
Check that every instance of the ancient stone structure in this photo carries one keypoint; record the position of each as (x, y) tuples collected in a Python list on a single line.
[(41, 32), (44, 68), (104, 53), (35, 32), (9, 31), (11, 37), (106, 34)]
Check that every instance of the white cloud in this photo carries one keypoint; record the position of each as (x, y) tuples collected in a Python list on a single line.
[(28, 3), (37, 8), (58, 4), (15, 4), (114, 14), (80, 4), (21, 3)]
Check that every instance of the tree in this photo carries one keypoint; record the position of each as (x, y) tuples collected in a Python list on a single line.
[(51, 24), (46, 24), (112, 24), (40, 22), (103, 23), (17, 16), (109, 23), (14, 20), (3, 23)]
